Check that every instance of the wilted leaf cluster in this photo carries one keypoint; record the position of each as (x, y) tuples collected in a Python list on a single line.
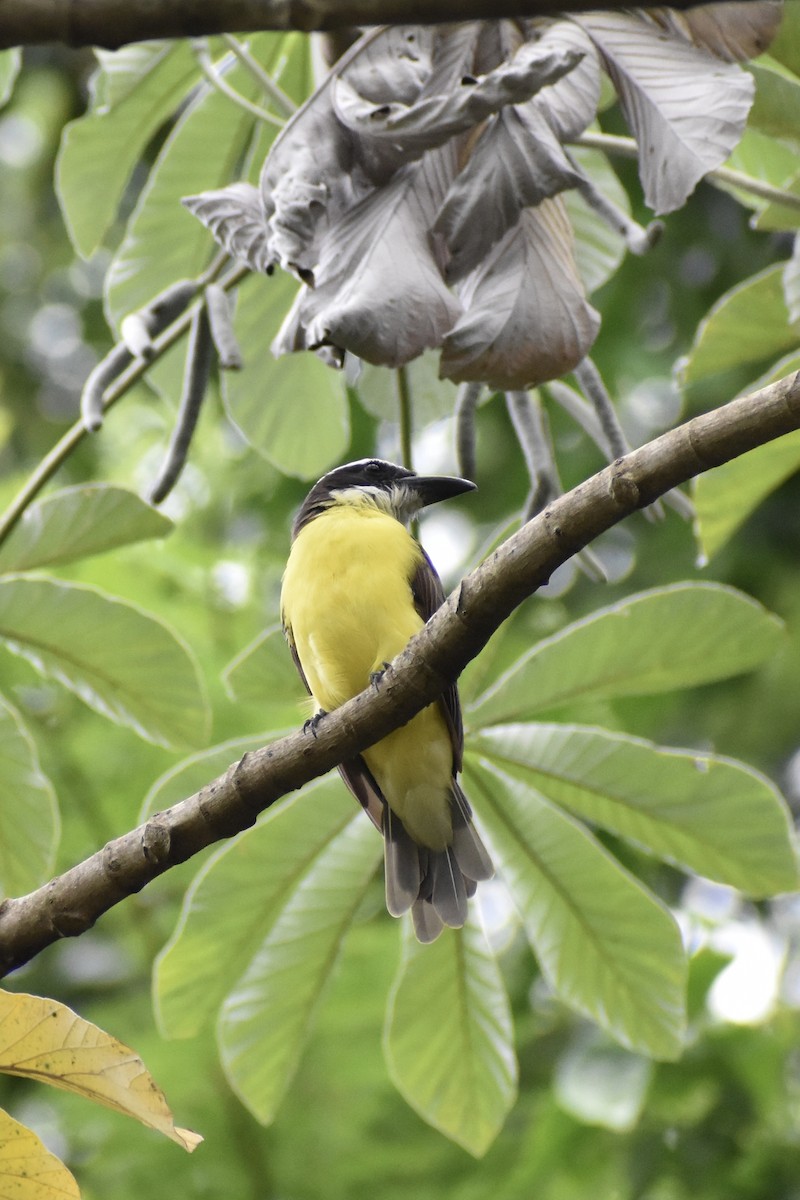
[(416, 195)]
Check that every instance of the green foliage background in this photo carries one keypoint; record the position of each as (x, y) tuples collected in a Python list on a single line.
[(169, 615)]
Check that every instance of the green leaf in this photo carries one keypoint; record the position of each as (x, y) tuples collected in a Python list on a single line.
[(292, 410), (120, 661), (236, 898), (726, 496), (163, 242), (776, 106), (78, 522), (665, 638), (194, 772), (449, 1039), (730, 335), (267, 1017), (785, 47), (432, 398), (600, 1083), (599, 250), (10, 63), (609, 948), (707, 814), (264, 674), (120, 72), (791, 282), (29, 822), (100, 150), (776, 216)]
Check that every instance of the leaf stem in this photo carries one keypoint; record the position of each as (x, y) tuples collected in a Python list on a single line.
[(721, 176), (404, 415), (206, 65), (122, 384), (262, 77)]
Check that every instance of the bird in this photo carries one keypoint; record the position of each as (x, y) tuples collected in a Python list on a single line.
[(356, 588)]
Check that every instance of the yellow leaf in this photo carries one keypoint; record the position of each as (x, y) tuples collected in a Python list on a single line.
[(41, 1039), (27, 1170)]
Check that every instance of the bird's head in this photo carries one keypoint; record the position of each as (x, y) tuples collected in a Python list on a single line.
[(383, 485)]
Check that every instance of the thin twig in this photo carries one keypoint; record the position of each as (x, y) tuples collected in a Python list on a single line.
[(404, 416), (52, 461), (206, 65), (262, 77), (610, 143), (467, 399)]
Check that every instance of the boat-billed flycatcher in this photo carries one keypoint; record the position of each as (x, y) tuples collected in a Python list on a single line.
[(357, 587)]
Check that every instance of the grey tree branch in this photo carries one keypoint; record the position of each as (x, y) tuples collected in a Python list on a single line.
[(114, 23), (71, 903)]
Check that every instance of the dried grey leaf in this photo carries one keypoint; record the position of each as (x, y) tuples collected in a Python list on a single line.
[(516, 163), (236, 219), (435, 119), (732, 31), (570, 103), (527, 319), (380, 293), (686, 108)]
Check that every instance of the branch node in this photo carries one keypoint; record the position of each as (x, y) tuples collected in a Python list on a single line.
[(624, 490), (156, 842)]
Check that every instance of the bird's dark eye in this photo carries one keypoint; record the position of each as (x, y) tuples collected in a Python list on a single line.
[(374, 468)]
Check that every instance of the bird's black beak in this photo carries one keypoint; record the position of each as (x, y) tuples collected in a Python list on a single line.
[(433, 488)]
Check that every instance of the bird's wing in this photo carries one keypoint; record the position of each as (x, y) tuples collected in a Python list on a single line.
[(428, 593)]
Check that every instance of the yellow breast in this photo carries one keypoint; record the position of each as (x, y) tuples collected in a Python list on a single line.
[(346, 598), (348, 608)]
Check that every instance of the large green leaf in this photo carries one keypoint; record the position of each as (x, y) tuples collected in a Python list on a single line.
[(100, 150), (120, 72), (264, 674), (785, 47), (10, 62), (711, 815), (725, 497), (776, 106), (194, 772), (607, 945), (749, 323), (267, 1017), (666, 638), (292, 410), (782, 216), (121, 661), (235, 899), (29, 823), (78, 522), (163, 242), (449, 1038), (599, 249)]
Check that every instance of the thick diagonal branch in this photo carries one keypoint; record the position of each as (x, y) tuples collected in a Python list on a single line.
[(72, 902), (114, 23)]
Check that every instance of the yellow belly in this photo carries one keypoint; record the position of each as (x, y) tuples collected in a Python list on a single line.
[(348, 608)]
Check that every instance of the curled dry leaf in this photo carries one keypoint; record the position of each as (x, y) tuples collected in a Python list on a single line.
[(42, 1039), (527, 318), (413, 194)]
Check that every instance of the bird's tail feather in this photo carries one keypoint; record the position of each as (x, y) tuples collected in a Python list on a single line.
[(434, 884)]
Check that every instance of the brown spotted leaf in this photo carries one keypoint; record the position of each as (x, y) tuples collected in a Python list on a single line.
[(42, 1039)]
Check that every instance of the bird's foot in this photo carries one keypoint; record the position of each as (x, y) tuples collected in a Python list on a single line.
[(376, 676), (310, 726)]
